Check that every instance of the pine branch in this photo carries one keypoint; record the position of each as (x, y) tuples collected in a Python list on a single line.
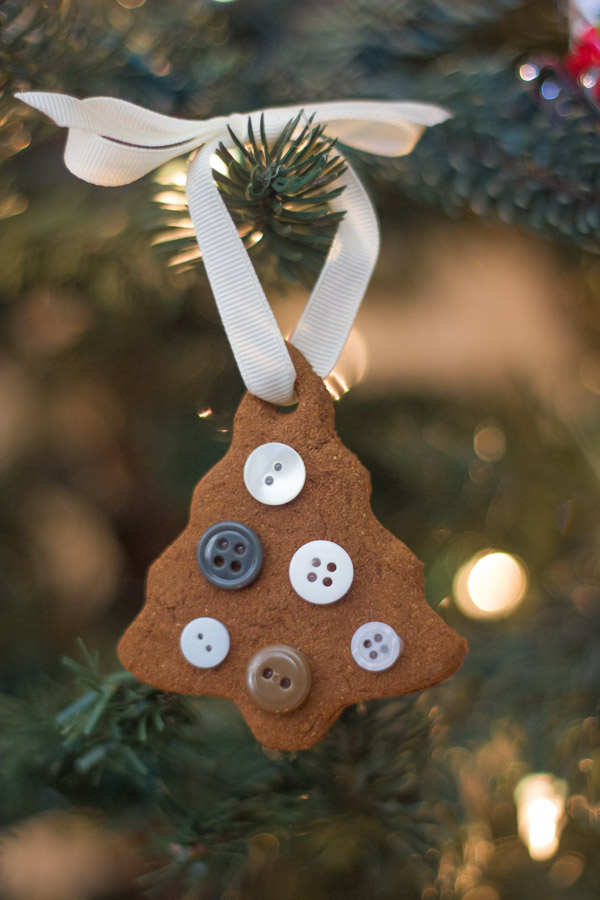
[(191, 769), (507, 154), (278, 196)]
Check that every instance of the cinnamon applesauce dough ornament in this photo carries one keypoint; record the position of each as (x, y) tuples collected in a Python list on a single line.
[(283, 593)]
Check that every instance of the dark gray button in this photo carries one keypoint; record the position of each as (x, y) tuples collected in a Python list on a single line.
[(229, 555)]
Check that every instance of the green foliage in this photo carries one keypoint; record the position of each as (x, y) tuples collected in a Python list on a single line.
[(191, 770), (278, 197), (508, 155)]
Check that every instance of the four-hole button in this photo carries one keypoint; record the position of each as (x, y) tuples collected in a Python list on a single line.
[(321, 572), (229, 555), (375, 646)]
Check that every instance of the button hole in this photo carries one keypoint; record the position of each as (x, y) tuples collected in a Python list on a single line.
[(378, 638), (200, 636), (316, 562), (285, 683), (331, 567), (240, 548), (236, 565), (208, 647), (219, 561), (223, 544), (311, 576), (373, 654), (327, 582), (267, 673), (366, 643), (277, 466)]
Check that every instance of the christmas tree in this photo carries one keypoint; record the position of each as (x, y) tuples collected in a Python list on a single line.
[(474, 371)]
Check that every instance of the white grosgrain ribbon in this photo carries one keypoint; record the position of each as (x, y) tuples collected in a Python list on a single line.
[(112, 142)]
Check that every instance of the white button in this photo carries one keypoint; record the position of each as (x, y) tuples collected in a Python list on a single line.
[(376, 646), (274, 474), (321, 572), (205, 642)]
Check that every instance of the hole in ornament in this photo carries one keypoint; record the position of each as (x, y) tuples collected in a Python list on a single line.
[(267, 673), (208, 647), (378, 638), (316, 562), (222, 544), (290, 407), (384, 648), (236, 565), (331, 567), (269, 480), (311, 576), (200, 636), (373, 654), (278, 467), (240, 548), (327, 582), (366, 643), (285, 683), (219, 561)]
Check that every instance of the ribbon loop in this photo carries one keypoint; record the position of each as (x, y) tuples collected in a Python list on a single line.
[(113, 142)]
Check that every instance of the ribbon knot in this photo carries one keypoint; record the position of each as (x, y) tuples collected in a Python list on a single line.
[(239, 125), (112, 142)]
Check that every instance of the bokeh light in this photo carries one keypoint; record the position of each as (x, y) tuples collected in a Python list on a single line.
[(489, 442), (490, 585), (350, 367), (540, 800)]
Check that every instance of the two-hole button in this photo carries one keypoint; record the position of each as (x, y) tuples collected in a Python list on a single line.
[(278, 678), (205, 642), (229, 555), (274, 474)]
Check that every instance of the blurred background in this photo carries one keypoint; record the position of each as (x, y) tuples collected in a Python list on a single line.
[(474, 401)]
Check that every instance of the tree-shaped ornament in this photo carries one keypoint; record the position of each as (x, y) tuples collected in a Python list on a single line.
[(283, 593)]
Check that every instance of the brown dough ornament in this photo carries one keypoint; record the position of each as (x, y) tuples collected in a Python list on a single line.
[(288, 659)]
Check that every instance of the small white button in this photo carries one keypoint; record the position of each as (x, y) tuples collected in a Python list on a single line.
[(321, 572), (375, 646), (274, 474), (205, 642)]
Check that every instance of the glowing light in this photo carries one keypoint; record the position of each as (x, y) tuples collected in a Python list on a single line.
[(187, 256), (550, 90), (217, 163), (350, 367), (588, 80), (540, 800), (528, 72), (171, 200), (489, 442), (490, 586), (205, 413), (173, 172)]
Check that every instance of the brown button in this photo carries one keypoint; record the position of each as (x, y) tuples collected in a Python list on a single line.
[(278, 678)]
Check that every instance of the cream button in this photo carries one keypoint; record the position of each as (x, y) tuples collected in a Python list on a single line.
[(205, 642), (274, 474), (375, 646), (278, 678), (321, 572)]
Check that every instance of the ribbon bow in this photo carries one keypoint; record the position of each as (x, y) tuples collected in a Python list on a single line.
[(112, 142)]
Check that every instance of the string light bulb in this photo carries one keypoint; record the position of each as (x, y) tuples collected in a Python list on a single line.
[(540, 800), (490, 585)]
